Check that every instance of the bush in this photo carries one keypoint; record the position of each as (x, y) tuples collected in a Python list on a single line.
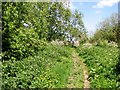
[(18, 41), (23, 43), (102, 43)]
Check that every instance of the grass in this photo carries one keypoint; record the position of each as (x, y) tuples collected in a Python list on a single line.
[(76, 78)]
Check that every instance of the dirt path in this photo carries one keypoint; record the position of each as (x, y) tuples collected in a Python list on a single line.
[(79, 76)]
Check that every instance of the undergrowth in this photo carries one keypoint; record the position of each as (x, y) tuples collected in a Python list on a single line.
[(50, 68), (101, 62)]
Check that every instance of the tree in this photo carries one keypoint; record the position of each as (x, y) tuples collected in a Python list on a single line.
[(26, 26), (107, 29), (18, 41), (76, 27)]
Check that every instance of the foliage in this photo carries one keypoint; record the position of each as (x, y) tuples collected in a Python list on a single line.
[(18, 42), (107, 29), (26, 26), (23, 43), (49, 68), (102, 43), (76, 28), (101, 62)]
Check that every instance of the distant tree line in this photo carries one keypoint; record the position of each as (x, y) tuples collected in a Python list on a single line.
[(107, 29)]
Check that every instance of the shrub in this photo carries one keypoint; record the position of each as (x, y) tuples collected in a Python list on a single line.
[(102, 43), (23, 43)]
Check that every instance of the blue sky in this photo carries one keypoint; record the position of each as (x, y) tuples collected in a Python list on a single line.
[(94, 12)]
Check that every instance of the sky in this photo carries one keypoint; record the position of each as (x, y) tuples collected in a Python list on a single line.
[(94, 11)]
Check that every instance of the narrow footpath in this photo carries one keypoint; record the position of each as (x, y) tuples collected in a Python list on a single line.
[(79, 74)]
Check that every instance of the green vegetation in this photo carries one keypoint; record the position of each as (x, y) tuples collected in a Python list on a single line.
[(34, 53), (107, 29), (49, 68), (28, 58), (27, 26), (76, 78), (101, 62)]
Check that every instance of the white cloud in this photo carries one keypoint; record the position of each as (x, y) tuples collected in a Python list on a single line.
[(104, 3), (97, 12)]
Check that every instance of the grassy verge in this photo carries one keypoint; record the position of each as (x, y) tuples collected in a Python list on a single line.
[(101, 62), (76, 78), (49, 68)]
